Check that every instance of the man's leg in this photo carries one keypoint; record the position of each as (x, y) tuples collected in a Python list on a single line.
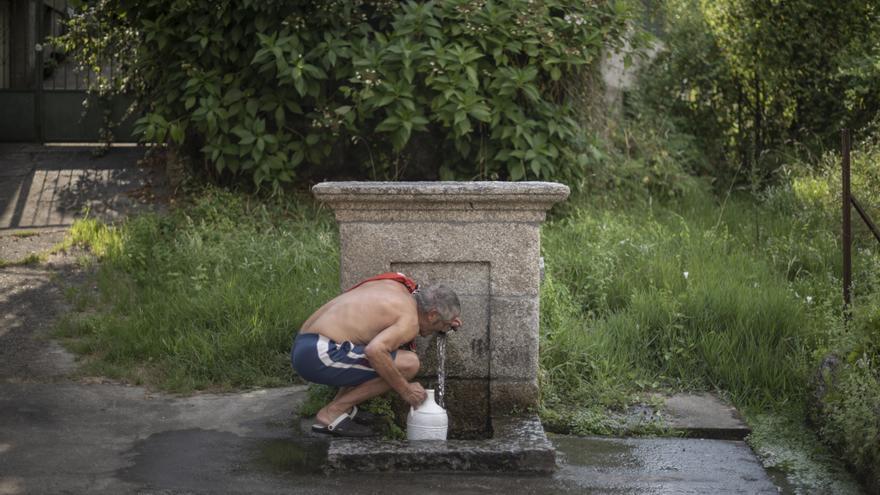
[(405, 361), (342, 391)]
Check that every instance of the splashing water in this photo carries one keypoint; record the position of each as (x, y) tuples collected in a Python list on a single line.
[(441, 370)]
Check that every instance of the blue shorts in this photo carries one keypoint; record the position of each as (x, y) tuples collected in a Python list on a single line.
[(320, 360)]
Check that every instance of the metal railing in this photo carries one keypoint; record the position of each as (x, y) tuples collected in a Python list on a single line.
[(849, 202)]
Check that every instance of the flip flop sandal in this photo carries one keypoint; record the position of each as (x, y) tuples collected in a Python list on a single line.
[(362, 417), (344, 426)]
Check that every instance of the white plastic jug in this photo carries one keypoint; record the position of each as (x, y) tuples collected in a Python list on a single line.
[(428, 422)]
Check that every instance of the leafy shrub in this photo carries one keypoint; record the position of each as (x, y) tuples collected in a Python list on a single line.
[(459, 88), (648, 154), (853, 416), (849, 413), (743, 75)]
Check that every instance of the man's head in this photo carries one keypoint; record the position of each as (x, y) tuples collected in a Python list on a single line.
[(439, 309)]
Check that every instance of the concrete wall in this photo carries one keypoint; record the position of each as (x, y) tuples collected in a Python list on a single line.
[(483, 240)]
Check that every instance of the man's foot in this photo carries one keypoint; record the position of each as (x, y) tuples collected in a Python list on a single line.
[(344, 426)]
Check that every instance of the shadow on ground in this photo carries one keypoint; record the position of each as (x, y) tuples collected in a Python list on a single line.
[(44, 187), (31, 301)]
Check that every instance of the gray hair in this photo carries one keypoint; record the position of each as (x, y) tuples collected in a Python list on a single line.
[(438, 297)]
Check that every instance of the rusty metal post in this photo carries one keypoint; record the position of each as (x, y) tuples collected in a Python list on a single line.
[(847, 223)]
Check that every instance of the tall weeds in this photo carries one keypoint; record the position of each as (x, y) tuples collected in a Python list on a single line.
[(682, 297)]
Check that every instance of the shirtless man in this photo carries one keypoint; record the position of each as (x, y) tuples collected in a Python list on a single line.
[(355, 342)]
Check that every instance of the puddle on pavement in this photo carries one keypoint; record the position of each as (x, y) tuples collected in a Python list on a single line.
[(296, 456)]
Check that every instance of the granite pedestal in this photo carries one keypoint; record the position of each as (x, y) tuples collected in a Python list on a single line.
[(482, 239)]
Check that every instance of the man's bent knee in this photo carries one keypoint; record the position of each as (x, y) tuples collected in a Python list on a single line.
[(407, 363)]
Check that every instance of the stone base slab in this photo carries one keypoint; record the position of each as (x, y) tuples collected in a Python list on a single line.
[(704, 416), (518, 445)]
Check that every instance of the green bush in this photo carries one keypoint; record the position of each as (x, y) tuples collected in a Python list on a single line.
[(646, 154), (849, 412), (853, 416), (760, 81), (460, 88), (821, 186)]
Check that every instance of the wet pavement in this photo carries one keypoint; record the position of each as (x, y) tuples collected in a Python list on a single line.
[(106, 438)]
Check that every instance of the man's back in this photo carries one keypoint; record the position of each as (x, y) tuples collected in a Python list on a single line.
[(362, 313)]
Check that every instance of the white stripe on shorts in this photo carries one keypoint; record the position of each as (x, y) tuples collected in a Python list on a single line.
[(323, 347)]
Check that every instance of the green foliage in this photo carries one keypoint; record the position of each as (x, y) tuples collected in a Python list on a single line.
[(853, 415), (849, 412), (207, 296), (757, 82), (103, 240), (318, 396), (742, 298), (812, 199), (821, 186), (461, 88), (648, 155)]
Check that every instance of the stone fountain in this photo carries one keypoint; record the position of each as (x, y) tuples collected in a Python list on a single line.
[(482, 239)]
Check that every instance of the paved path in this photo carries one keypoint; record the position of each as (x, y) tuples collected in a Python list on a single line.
[(47, 187), (61, 433), (104, 438)]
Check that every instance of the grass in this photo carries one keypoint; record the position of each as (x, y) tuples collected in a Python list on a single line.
[(30, 259), (205, 298), (638, 299)]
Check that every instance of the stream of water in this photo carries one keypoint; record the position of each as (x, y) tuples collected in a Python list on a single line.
[(441, 370)]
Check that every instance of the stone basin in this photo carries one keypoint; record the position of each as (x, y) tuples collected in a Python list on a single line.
[(519, 444)]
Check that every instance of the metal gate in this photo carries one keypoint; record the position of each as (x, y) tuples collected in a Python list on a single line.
[(43, 96)]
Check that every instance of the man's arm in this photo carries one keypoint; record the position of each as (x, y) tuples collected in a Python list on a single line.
[(379, 350)]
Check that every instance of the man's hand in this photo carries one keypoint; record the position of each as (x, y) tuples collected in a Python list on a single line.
[(415, 394)]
